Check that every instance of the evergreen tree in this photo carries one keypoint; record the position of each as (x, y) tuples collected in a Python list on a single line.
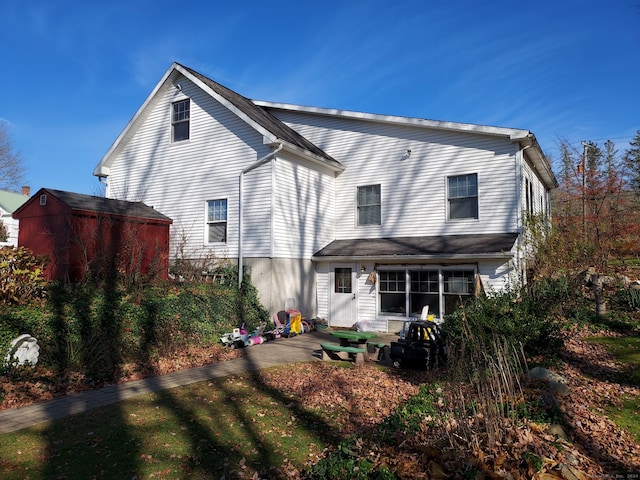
[(631, 160)]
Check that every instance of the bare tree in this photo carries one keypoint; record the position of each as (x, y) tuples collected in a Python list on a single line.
[(12, 169)]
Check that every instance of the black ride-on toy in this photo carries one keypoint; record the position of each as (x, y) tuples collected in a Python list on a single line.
[(422, 346)]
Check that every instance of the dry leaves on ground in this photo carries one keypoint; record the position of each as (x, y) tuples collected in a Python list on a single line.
[(29, 385), (361, 397)]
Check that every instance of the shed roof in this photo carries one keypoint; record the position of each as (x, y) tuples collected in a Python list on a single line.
[(442, 246), (82, 202)]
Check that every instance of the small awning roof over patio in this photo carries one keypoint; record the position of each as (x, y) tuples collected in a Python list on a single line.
[(444, 247)]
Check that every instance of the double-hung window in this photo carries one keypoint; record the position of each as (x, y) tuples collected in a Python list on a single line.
[(217, 220), (180, 114), (463, 196), (369, 205)]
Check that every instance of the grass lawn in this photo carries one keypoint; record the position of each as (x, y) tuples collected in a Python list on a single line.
[(627, 350), (235, 427), (205, 430)]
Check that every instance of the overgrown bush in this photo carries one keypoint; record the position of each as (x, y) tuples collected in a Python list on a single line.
[(96, 331), (21, 276), (529, 317)]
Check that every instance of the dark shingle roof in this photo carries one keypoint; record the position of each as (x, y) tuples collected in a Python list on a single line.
[(79, 201), (436, 246), (262, 117)]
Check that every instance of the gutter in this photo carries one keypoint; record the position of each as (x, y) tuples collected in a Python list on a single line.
[(251, 167), (411, 258)]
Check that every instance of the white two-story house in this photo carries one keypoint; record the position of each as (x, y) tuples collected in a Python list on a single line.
[(358, 217)]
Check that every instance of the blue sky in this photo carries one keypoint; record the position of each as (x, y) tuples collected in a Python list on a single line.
[(75, 72)]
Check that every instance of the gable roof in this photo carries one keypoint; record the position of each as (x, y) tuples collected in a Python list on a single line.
[(258, 115), (497, 245), (88, 203), (11, 201), (273, 130), (261, 116)]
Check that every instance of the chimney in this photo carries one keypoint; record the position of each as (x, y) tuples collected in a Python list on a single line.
[(26, 191)]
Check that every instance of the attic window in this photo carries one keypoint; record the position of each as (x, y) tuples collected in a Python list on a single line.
[(43, 199), (180, 120)]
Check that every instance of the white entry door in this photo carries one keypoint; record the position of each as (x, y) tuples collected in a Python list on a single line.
[(343, 312)]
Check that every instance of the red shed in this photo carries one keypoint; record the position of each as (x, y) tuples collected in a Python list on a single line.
[(83, 234)]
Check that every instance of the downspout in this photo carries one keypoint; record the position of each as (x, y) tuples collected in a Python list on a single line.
[(253, 166)]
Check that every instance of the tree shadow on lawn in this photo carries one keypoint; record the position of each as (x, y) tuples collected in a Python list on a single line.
[(592, 360), (132, 439)]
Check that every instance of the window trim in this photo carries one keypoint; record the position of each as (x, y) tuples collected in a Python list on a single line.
[(407, 269), (449, 198), (379, 205), (181, 121), (343, 280), (209, 222)]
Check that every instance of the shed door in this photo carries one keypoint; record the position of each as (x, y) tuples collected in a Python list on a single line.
[(343, 311)]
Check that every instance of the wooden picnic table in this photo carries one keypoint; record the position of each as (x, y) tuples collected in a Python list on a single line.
[(349, 338)]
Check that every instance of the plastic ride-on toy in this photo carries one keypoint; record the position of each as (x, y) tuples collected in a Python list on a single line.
[(422, 346)]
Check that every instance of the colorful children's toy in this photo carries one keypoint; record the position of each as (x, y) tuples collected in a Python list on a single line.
[(237, 339)]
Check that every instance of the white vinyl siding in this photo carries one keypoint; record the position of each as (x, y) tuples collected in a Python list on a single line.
[(415, 187), (304, 214), (257, 218), (178, 178), (322, 289), (534, 194)]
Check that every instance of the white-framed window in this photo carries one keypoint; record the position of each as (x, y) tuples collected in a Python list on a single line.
[(217, 221), (405, 291), (462, 196), (369, 205), (180, 115)]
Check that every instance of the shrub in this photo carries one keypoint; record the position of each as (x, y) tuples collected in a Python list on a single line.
[(4, 232), (21, 276), (96, 330), (529, 317)]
